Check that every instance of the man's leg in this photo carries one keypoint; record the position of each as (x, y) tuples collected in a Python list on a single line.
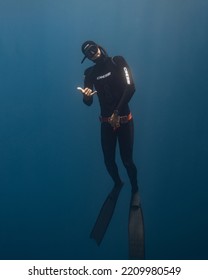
[(108, 142), (126, 140), (136, 223)]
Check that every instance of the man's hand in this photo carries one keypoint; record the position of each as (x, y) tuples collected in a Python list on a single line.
[(114, 120), (86, 91)]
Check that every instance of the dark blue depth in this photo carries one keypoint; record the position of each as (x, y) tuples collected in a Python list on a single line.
[(52, 175)]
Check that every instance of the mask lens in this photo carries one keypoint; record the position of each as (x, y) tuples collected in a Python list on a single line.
[(91, 51)]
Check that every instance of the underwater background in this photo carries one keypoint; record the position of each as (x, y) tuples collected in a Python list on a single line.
[(52, 175)]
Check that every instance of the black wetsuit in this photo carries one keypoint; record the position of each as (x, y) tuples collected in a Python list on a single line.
[(112, 79)]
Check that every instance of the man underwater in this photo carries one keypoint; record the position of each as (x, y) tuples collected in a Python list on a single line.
[(111, 79)]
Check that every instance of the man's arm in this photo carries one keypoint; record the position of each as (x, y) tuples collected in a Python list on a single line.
[(126, 79)]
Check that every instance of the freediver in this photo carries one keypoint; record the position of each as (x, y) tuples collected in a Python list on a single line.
[(111, 79)]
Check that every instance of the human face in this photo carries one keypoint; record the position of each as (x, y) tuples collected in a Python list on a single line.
[(93, 52), (96, 55)]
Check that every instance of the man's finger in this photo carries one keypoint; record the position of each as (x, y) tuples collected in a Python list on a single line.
[(81, 89), (93, 93)]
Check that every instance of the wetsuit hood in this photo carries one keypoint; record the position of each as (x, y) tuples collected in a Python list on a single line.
[(89, 49)]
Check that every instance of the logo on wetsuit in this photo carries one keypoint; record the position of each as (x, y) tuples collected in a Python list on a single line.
[(104, 76), (127, 76)]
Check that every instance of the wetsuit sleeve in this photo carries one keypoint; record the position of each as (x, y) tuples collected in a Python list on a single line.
[(126, 79), (88, 100)]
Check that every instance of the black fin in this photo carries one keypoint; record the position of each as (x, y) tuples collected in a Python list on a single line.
[(105, 215), (136, 229)]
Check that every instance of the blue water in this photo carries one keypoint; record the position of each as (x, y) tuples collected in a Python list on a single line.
[(52, 176)]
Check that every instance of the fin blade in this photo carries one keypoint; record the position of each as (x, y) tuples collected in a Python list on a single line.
[(105, 216), (136, 229)]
